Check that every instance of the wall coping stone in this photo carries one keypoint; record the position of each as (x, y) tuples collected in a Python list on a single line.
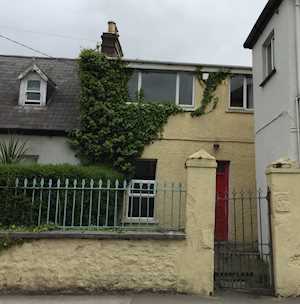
[(128, 235)]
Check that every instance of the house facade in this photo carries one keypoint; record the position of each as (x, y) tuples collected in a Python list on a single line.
[(275, 44), (39, 100)]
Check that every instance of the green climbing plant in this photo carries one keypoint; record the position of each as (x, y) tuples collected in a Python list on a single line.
[(113, 130), (209, 99)]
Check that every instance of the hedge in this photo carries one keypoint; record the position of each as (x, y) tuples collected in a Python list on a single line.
[(54, 172), (18, 209)]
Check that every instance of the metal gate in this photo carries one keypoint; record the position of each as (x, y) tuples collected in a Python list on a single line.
[(243, 260)]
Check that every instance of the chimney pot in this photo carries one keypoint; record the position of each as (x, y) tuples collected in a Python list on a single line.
[(112, 27)]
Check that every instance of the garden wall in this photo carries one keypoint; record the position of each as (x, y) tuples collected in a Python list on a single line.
[(118, 261)]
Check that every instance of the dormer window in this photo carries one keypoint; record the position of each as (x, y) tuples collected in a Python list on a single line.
[(33, 92), (34, 86)]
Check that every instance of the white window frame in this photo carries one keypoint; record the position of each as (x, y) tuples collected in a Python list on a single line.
[(34, 101), (245, 96), (177, 101), (130, 194), (269, 41), (23, 100)]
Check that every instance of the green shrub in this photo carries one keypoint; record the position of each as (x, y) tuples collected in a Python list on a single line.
[(16, 209), (29, 206), (54, 172)]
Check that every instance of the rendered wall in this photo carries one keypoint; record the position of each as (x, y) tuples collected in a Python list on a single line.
[(275, 101), (49, 149), (159, 265), (184, 135), (285, 209)]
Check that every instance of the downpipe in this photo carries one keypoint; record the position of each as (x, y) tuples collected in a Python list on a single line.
[(297, 53)]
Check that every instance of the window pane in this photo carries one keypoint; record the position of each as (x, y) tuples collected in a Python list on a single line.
[(141, 207), (145, 169), (33, 96), (133, 86), (249, 92), (159, 86), (186, 89), (237, 91), (33, 85)]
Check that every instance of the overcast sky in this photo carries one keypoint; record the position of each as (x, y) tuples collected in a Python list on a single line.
[(200, 31)]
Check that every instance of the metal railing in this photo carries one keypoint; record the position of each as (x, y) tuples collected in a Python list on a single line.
[(90, 204), (243, 244)]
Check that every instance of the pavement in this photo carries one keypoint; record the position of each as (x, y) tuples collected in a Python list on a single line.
[(232, 298)]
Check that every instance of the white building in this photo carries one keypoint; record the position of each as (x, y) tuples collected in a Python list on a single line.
[(275, 42)]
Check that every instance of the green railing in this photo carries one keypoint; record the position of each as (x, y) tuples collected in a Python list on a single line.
[(89, 204)]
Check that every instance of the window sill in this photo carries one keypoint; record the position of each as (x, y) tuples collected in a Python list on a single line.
[(268, 78), (240, 111), (128, 235), (150, 221), (31, 107)]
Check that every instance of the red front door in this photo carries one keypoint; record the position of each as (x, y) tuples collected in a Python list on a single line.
[(221, 220)]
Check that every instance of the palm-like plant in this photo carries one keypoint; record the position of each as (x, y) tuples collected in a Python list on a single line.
[(12, 151)]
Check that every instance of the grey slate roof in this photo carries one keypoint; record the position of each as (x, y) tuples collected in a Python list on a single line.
[(62, 111)]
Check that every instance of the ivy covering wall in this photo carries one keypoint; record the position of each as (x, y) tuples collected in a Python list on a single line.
[(114, 131)]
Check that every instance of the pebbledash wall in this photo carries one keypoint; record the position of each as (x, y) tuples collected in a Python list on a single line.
[(178, 263), (183, 136)]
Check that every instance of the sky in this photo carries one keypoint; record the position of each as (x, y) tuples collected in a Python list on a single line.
[(197, 31)]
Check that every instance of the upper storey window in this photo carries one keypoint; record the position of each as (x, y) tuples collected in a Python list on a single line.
[(269, 60), (33, 87), (241, 92), (268, 52), (33, 92), (163, 87)]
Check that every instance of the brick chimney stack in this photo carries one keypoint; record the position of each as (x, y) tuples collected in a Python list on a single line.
[(110, 41)]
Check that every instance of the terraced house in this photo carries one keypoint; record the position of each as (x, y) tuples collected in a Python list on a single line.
[(39, 100)]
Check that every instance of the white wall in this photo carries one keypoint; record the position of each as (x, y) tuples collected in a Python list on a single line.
[(274, 102), (50, 149)]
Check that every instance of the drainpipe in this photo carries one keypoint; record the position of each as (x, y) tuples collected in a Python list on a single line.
[(297, 46)]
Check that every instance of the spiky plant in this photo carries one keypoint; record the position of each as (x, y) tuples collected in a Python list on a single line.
[(12, 151)]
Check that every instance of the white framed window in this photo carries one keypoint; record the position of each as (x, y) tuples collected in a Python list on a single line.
[(33, 92), (241, 92), (33, 87), (141, 201), (269, 55), (163, 87), (141, 193)]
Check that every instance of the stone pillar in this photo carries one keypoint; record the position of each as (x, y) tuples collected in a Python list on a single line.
[(197, 263), (283, 179)]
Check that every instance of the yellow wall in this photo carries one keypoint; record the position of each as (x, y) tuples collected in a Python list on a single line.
[(285, 209), (184, 135)]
